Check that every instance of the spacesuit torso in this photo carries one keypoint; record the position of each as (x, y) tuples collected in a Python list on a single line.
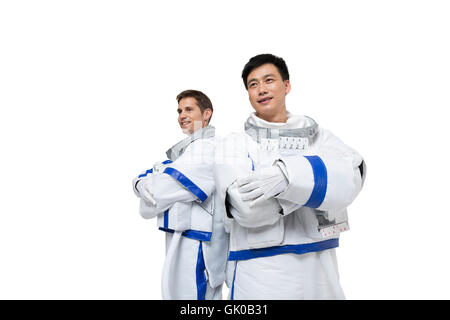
[(324, 177), (188, 211)]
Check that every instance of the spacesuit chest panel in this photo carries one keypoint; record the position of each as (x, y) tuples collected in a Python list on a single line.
[(265, 153), (269, 144)]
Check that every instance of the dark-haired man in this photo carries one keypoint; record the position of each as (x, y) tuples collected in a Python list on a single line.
[(286, 183), (180, 192)]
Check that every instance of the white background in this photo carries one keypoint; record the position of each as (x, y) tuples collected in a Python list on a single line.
[(87, 97)]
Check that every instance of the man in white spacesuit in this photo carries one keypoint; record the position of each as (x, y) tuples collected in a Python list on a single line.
[(180, 192), (286, 184)]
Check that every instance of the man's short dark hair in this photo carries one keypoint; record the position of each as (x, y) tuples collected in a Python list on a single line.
[(202, 99), (261, 59)]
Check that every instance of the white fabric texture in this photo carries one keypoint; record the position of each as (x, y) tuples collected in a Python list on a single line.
[(179, 273), (310, 276)]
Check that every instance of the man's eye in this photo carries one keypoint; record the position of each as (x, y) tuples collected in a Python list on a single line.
[(269, 80), (252, 85)]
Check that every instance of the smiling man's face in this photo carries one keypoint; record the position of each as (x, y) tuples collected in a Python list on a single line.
[(190, 116), (267, 93)]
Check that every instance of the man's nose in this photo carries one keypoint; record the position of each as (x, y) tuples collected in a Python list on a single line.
[(262, 89), (182, 115)]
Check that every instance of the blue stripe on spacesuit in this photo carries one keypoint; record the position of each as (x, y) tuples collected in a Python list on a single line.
[(232, 285), (151, 170), (200, 274), (187, 183), (192, 234), (197, 235), (166, 219), (253, 164), (273, 251), (320, 182), (146, 173)]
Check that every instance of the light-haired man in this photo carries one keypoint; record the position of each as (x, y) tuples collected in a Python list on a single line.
[(180, 192)]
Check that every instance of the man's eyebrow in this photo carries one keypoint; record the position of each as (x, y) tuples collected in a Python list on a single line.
[(269, 75), (184, 107), (251, 80)]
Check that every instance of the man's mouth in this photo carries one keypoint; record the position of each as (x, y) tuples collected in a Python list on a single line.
[(185, 123), (265, 100)]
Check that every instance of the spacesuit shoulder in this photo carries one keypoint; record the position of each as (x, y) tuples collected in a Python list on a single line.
[(330, 144), (231, 147), (199, 152)]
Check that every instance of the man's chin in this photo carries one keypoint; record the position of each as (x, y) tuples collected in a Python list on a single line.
[(187, 131), (265, 113), (264, 109)]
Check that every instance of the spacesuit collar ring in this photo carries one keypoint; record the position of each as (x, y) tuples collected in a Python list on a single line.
[(258, 133), (178, 149)]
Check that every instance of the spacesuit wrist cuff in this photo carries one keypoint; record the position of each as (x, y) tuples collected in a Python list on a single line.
[(320, 182), (300, 180), (307, 176)]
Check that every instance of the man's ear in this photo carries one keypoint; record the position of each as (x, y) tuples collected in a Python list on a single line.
[(207, 115), (287, 84)]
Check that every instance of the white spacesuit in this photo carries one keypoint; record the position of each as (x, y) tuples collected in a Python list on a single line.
[(180, 192), (286, 187)]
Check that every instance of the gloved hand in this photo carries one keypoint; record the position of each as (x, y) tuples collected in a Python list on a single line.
[(144, 188), (262, 185), (262, 213)]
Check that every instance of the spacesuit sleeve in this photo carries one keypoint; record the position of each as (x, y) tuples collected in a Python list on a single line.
[(166, 191), (148, 211), (328, 180), (231, 160), (140, 177), (189, 178)]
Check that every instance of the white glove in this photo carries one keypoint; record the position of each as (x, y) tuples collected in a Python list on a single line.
[(144, 188), (263, 213), (262, 185)]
